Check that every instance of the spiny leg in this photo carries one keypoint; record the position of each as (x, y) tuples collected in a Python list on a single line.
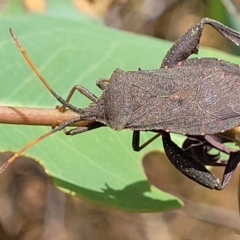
[(192, 169), (39, 75), (189, 42), (136, 141)]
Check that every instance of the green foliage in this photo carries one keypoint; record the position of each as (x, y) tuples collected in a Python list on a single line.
[(69, 48)]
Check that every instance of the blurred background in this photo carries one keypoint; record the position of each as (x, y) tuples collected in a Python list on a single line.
[(33, 209)]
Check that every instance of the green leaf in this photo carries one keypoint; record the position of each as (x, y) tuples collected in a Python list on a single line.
[(100, 165)]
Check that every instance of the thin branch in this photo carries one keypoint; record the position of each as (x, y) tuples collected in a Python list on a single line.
[(36, 116)]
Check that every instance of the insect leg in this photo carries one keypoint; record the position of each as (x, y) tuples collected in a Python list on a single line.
[(83, 91), (232, 163), (217, 142), (199, 149), (188, 166), (189, 42), (101, 83), (79, 130), (136, 141)]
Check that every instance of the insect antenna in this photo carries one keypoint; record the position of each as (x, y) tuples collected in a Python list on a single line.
[(36, 140), (39, 75), (27, 146)]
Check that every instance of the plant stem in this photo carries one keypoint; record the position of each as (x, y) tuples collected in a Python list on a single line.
[(36, 116)]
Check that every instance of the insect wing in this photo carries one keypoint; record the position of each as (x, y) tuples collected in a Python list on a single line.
[(208, 103)]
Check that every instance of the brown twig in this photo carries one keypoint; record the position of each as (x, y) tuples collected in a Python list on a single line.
[(36, 116)]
